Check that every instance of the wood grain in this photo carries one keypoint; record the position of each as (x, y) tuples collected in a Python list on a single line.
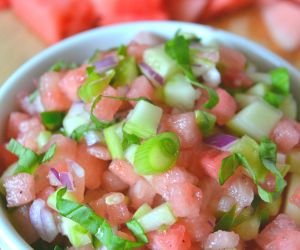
[(18, 44)]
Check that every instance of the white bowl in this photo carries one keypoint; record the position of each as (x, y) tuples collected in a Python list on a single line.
[(80, 47)]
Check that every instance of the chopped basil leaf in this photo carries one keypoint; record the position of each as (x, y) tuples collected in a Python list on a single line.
[(57, 247), (52, 119), (129, 139), (95, 56), (122, 50), (178, 49), (205, 121), (226, 222), (28, 160), (280, 87), (231, 163), (97, 225), (268, 156), (94, 84), (280, 81), (62, 65), (126, 71)]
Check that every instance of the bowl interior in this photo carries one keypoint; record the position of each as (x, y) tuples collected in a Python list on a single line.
[(80, 47)]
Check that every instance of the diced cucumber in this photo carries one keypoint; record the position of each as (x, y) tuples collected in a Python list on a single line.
[(126, 72), (248, 229), (142, 210), (113, 139), (273, 207), (244, 100), (260, 77), (179, 93), (77, 235), (51, 202), (160, 62), (43, 138), (289, 208), (76, 117), (129, 153), (143, 120), (289, 107), (256, 120), (250, 150), (259, 89), (294, 160), (157, 217)]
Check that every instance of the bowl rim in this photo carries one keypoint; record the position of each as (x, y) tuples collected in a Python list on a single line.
[(13, 240)]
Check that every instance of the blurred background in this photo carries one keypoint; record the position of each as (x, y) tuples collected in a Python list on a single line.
[(28, 26)]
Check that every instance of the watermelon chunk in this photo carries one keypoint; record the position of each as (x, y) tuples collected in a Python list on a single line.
[(4, 4), (226, 107), (176, 238), (6, 158), (117, 11), (14, 121), (221, 240), (288, 240), (52, 96), (62, 18), (19, 189), (112, 183)]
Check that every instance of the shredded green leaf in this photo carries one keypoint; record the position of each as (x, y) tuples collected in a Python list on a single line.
[(28, 160), (280, 87), (226, 222), (231, 163), (122, 50), (57, 247), (94, 56), (52, 119), (178, 49), (62, 65), (205, 121), (94, 84), (97, 225)]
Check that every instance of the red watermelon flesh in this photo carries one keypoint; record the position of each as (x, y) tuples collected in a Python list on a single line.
[(4, 4), (55, 20)]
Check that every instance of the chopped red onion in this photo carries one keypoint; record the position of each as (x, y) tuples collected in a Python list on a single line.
[(77, 173), (66, 180), (43, 220), (106, 63), (221, 141), (148, 38), (61, 179), (151, 74)]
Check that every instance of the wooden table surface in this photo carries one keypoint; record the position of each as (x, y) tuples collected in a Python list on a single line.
[(18, 43)]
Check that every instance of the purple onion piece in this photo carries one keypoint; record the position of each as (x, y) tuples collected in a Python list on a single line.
[(151, 74), (221, 141), (106, 63), (54, 177), (54, 172), (66, 180)]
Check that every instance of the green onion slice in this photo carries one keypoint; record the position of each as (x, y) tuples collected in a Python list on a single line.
[(52, 119), (157, 154), (205, 121)]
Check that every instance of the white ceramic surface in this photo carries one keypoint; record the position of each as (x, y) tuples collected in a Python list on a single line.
[(80, 47)]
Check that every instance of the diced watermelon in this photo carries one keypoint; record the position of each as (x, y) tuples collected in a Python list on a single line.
[(296, 197), (19, 189), (184, 125), (124, 170), (112, 183), (226, 107), (14, 121), (278, 227), (45, 193), (279, 17), (29, 131), (128, 10), (52, 96), (41, 178), (199, 227), (232, 64), (71, 82), (288, 240), (147, 38), (92, 166), (211, 161), (107, 107), (6, 158), (21, 221), (78, 175), (66, 148), (286, 135), (136, 50), (221, 240), (4, 4), (141, 87), (99, 206), (186, 10), (175, 237), (141, 192), (99, 151), (62, 18)]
